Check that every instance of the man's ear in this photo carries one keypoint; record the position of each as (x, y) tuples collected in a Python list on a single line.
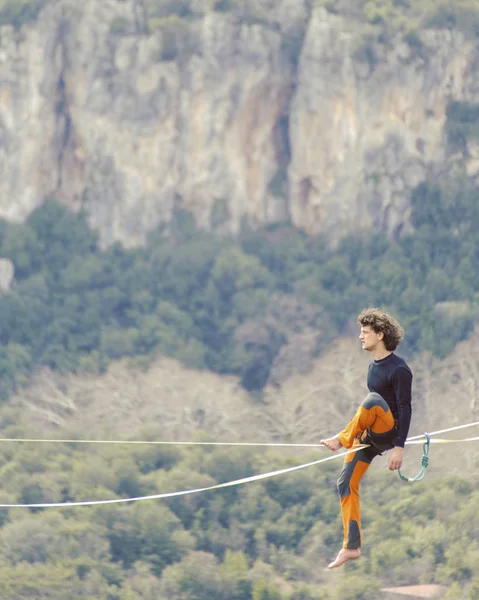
[(380, 335)]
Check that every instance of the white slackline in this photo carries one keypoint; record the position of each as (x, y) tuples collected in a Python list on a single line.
[(445, 430), (250, 444), (440, 441), (413, 440), (184, 492), (161, 443)]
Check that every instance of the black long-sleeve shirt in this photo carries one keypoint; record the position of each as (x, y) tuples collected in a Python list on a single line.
[(391, 378)]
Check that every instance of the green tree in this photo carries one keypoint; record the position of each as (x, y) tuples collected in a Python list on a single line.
[(23, 248), (196, 577), (234, 271), (62, 235), (427, 206), (148, 533), (263, 591), (116, 343), (141, 584), (20, 12)]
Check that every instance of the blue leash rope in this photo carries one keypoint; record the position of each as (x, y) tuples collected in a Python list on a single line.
[(424, 463)]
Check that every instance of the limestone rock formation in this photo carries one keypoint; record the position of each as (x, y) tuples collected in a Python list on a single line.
[(368, 122), (279, 113)]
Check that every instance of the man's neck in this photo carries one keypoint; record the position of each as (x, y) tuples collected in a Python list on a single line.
[(380, 353)]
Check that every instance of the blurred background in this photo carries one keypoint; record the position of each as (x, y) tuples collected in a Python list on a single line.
[(197, 198)]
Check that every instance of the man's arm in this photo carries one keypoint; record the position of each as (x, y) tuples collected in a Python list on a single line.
[(402, 380)]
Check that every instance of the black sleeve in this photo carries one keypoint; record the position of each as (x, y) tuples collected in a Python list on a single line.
[(402, 382)]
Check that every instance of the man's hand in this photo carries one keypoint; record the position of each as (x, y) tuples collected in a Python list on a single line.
[(396, 458)]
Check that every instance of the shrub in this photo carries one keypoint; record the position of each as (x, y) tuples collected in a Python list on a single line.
[(462, 123), (463, 16), (119, 26), (177, 36), (20, 12), (168, 8), (223, 5)]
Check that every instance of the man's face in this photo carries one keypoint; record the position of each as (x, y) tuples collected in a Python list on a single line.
[(369, 338)]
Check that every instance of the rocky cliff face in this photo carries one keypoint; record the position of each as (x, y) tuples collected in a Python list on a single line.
[(368, 122), (289, 114)]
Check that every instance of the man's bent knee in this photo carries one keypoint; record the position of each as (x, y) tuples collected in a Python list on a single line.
[(373, 400)]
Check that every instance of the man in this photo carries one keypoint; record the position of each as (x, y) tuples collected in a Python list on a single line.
[(381, 421)]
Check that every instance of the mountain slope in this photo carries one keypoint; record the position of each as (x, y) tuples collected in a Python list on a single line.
[(170, 402)]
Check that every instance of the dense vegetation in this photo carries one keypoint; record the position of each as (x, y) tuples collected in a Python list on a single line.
[(269, 540), (404, 16), (192, 295), (401, 15), (19, 12)]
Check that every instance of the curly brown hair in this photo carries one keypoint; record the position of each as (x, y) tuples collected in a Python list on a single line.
[(381, 322)]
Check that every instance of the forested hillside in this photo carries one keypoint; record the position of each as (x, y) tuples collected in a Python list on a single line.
[(261, 541), (231, 306), (243, 306)]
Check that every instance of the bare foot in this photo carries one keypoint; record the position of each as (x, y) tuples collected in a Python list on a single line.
[(344, 555), (332, 443)]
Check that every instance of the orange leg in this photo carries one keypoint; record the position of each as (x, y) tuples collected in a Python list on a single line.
[(373, 414)]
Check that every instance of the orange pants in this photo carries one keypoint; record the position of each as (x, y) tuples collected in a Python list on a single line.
[(372, 424)]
